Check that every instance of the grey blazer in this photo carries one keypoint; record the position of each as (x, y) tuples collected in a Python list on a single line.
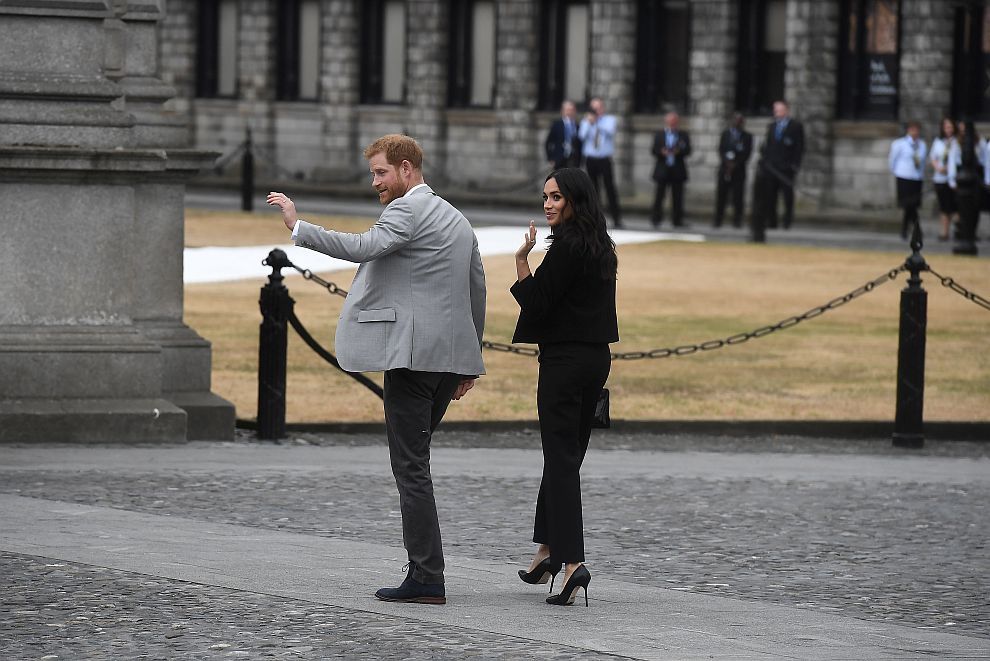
[(418, 298)]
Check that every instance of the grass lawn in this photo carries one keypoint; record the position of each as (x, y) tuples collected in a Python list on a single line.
[(840, 366)]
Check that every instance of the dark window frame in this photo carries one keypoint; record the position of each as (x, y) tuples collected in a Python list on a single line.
[(371, 19), (553, 52), (759, 72), (372, 86), (662, 78), (968, 73), (853, 101), (208, 51), (287, 64), (460, 54)]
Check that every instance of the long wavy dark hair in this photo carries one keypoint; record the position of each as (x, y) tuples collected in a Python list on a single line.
[(585, 231)]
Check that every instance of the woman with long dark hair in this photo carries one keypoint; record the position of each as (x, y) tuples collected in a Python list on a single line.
[(567, 307)]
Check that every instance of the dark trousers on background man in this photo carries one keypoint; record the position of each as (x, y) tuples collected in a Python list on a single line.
[(731, 185), (676, 201), (600, 170), (779, 184), (414, 405), (908, 199)]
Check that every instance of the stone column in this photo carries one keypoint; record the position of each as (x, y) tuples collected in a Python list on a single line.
[(926, 62), (426, 86), (516, 80), (341, 90), (92, 344), (711, 84), (810, 85), (613, 68)]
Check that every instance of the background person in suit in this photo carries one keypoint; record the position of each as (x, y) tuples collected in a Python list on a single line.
[(562, 145), (567, 307), (780, 161), (670, 147), (735, 146), (416, 310), (597, 135), (907, 164)]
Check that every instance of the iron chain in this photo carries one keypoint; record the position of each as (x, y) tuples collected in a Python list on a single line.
[(959, 289), (738, 338), (510, 348), (331, 287), (709, 345)]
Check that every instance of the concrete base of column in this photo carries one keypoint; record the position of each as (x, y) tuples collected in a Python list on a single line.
[(91, 421), (209, 417)]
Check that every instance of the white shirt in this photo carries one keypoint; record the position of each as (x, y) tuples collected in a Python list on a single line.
[(939, 157), (907, 158)]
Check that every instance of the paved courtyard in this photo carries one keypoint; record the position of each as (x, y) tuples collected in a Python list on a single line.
[(700, 547)]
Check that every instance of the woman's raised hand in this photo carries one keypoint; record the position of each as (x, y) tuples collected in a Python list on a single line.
[(529, 241)]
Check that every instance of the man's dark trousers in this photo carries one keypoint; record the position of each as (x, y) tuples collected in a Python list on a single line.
[(677, 200), (778, 185), (414, 405), (600, 169), (732, 186)]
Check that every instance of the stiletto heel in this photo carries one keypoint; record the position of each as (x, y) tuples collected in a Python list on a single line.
[(544, 570), (579, 579)]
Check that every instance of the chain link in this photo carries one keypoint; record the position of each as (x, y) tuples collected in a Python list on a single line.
[(331, 287), (959, 289), (510, 348)]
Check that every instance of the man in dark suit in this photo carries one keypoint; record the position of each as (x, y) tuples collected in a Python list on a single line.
[(734, 149), (780, 159), (670, 147), (562, 145)]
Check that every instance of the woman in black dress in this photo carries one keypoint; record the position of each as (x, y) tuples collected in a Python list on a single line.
[(567, 307)]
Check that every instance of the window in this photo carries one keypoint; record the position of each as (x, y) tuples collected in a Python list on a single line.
[(971, 62), (472, 53), (869, 59), (216, 43), (662, 36), (298, 50), (761, 57), (564, 52), (383, 48)]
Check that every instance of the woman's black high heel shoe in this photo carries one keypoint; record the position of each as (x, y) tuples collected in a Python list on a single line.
[(544, 570), (579, 579)]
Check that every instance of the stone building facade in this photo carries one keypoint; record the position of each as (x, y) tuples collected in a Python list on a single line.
[(852, 89)]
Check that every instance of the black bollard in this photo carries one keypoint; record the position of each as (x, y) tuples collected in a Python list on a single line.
[(909, 417), (247, 173), (967, 196), (276, 304)]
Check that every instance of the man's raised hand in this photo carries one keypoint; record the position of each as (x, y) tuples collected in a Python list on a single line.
[(283, 202)]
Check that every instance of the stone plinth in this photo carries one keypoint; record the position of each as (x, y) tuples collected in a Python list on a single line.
[(92, 175)]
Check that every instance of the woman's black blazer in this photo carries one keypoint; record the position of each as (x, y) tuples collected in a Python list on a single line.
[(565, 300)]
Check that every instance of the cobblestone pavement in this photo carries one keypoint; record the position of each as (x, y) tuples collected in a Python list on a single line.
[(914, 553), (60, 610)]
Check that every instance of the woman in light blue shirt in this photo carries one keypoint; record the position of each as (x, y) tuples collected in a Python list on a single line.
[(939, 158), (907, 163)]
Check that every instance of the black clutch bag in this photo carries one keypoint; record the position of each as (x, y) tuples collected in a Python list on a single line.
[(601, 419)]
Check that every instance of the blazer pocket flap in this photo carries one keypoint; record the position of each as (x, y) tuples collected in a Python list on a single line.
[(383, 314)]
